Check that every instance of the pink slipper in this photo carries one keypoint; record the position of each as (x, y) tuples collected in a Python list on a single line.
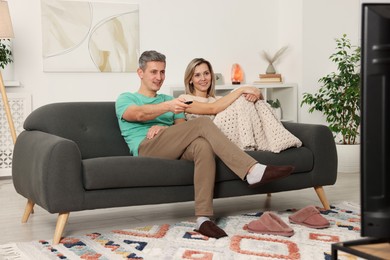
[(269, 223), (310, 217)]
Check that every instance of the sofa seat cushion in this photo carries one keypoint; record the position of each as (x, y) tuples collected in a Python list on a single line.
[(302, 158), (129, 171)]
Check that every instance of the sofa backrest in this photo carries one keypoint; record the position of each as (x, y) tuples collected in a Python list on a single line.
[(93, 126)]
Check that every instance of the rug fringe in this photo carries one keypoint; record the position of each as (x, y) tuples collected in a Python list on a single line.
[(10, 252)]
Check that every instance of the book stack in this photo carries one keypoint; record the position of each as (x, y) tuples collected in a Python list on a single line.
[(269, 78)]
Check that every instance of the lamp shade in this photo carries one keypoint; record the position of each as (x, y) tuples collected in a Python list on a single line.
[(6, 30)]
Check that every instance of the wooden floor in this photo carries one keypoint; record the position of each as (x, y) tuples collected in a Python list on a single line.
[(41, 224)]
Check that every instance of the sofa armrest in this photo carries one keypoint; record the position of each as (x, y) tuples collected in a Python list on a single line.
[(319, 139), (47, 169)]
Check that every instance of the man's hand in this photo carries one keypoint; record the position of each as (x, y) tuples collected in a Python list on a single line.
[(154, 130), (177, 105)]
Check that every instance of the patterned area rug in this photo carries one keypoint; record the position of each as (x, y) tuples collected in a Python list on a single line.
[(179, 241)]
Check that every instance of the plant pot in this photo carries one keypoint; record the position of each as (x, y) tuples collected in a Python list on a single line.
[(348, 157), (277, 112)]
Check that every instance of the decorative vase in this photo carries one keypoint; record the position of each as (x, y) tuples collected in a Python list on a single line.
[(270, 69), (348, 158)]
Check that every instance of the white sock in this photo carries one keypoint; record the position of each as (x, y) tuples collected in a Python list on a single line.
[(256, 173), (200, 220)]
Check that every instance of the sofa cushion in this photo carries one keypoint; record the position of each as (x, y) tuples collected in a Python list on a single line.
[(93, 126), (302, 158), (129, 171)]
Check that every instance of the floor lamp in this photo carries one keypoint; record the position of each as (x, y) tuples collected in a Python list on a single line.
[(6, 32)]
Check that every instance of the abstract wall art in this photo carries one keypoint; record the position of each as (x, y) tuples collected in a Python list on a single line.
[(81, 36)]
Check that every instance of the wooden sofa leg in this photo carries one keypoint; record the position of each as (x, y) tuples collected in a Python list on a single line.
[(321, 195), (28, 210), (61, 222)]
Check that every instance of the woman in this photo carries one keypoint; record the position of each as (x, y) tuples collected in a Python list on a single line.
[(243, 115), (199, 83)]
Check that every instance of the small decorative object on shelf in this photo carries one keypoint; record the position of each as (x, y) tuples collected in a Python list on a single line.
[(218, 79), (271, 60), (237, 74), (269, 78)]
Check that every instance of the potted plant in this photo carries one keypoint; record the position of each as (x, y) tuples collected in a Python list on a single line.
[(5, 53), (338, 98), (275, 105)]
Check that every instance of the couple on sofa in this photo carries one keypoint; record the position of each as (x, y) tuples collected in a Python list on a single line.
[(155, 125)]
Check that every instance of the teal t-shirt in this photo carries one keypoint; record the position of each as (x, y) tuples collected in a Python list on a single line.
[(135, 132)]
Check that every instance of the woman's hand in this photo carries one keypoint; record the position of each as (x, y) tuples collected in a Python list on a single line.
[(251, 97), (252, 94)]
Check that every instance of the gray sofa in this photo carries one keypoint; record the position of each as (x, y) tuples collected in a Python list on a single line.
[(72, 157)]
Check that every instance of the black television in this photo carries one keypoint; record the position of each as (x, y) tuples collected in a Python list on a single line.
[(375, 120)]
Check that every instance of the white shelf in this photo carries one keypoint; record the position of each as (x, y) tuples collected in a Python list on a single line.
[(285, 92), (8, 83), (287, 95)]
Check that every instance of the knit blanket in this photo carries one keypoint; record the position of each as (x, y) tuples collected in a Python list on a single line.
[(254, 126)]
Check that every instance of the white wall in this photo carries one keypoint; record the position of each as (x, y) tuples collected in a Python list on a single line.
[(224, 32), (323, 21)]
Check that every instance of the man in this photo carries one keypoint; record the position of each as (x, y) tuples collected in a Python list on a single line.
[(154, 125)]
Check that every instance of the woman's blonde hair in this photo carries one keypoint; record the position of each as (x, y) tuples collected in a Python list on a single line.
[(189, 73)]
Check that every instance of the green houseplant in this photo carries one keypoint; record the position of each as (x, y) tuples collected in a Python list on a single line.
[(339, 96), (274, 103), (276, 106), (5, 53)]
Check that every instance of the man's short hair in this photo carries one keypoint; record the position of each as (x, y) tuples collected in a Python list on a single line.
[(147, 56)]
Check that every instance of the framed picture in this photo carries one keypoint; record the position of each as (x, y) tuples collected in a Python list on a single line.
[(218, 79), (80, 36)]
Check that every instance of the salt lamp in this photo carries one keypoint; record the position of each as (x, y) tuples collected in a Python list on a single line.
[(237, 74)]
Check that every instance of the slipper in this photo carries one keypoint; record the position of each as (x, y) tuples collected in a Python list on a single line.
[(210, 229), (273, 173), (269, 223), (310, 217)]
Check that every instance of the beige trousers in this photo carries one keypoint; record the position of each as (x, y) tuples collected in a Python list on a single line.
[(199, 140)]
